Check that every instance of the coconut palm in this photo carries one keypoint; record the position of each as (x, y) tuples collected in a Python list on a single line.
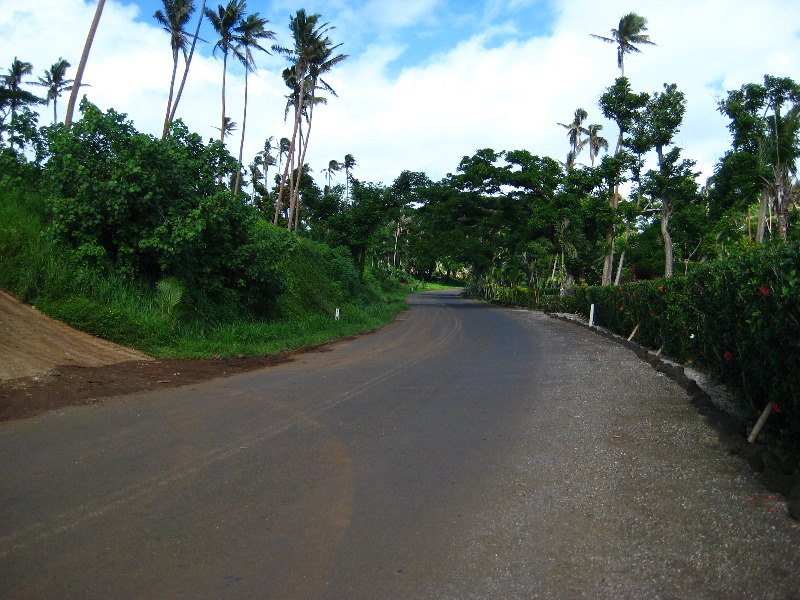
[(82, 65), (12, 96), (334, 166), (349, 164), (249, 32), (595, 141), (18, 70), (13, 82), (311, 55), (173, 20), (264, 157), (575, 132), (224, 22), (629, 32), (228, 127), (56, 82), (322, 63), (188, 62)]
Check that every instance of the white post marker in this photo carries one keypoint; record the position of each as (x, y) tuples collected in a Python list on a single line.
[(591, 316), (336, 317)]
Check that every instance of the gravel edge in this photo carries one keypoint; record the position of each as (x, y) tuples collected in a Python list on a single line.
[(713, 401)]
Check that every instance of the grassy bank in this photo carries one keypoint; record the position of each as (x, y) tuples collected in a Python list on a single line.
[(165, 319)]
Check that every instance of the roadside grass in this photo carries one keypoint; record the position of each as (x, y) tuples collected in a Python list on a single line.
[(106, 304), (257, 338)]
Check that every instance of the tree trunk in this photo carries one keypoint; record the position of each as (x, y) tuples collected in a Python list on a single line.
[(668, 256), (241, 143), (224, 73), (608, 262), (188, 63), (762, 216), (298, 108), (620, 264), (171, 90), (76, 85), (781, 204), (303, 149)]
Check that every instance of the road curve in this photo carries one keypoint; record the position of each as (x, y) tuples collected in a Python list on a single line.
[(464, 451)]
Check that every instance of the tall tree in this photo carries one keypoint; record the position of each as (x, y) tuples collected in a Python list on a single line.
[(82, 65), (620, 105), (249, 32), (575, 133), (16, 73), (266, 159), (321, 64), (310, 57), (765, 123), (56, 82), (661, 119), (349, 164), (13, 99), (628, 34), (173, 20), (595, 141), (188, 62), (224, 21), (334, 166)]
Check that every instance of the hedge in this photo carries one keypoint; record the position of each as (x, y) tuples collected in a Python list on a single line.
[(738, 318)]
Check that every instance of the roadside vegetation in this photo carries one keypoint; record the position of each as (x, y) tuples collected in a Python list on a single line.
[(174, 246)]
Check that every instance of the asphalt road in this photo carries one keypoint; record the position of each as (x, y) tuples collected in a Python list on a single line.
[(465, 451)]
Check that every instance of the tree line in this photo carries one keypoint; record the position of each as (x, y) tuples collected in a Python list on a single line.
[(507, 216)]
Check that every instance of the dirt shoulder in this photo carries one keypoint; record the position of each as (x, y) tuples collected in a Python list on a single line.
[(46, 365)]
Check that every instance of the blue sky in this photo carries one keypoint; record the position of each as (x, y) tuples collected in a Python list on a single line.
[(428, 81), (423, 28)]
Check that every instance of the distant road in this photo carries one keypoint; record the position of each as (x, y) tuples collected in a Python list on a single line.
[(464, 451)]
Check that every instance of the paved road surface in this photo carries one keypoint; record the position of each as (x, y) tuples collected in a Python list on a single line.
[(465, 451)]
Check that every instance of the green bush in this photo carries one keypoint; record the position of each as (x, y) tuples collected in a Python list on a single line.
[(156, 208)]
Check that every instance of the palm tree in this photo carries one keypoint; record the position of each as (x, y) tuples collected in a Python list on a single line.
[(349, 164), (228, 127), (322, 63), (18, 70), (334, 166), (56, 82), (173, 20), (629, 32), (249, 32), (574, 132), (82, 65), (265, 158), (310, 57), (595, 141), (224, 21), (188, 62)]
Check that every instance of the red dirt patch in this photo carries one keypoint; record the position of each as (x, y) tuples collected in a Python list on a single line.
[(46, 365)]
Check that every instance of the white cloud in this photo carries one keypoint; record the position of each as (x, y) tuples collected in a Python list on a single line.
[(486, 91)]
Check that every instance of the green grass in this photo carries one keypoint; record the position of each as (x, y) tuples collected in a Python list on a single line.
[(257, 338), (106, 304)]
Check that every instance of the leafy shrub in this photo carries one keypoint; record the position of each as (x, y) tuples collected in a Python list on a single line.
[(156, 208)]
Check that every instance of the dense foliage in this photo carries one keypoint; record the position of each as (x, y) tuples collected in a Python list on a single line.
[(155, 209)]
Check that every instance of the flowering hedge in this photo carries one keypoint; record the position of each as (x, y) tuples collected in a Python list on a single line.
[(739, 318)]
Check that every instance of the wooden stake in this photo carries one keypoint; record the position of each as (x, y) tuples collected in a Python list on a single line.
[(660, 350), (762, 420), (633, 333)]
